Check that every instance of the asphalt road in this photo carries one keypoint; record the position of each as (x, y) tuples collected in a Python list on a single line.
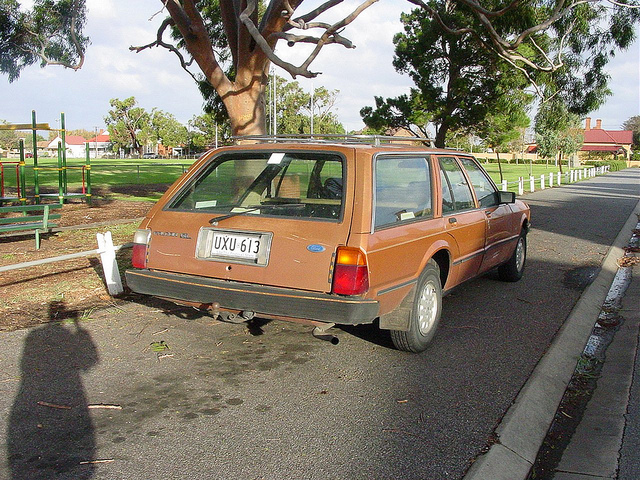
[(224, 402)]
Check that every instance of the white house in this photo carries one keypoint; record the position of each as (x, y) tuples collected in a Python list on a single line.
[(75, 145)]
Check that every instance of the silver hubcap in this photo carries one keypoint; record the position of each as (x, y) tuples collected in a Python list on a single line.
[(427, 308), (520, 255)]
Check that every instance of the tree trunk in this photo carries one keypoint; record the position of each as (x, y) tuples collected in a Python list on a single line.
[(246, 108), (499, 166)]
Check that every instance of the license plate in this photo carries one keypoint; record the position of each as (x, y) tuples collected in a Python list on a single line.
[(234, 246)]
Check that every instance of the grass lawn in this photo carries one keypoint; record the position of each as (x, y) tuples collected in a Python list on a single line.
[(512, 172), (103, 172), (143, 171)]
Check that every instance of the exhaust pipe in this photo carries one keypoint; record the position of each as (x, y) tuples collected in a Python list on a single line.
[(320, 332)]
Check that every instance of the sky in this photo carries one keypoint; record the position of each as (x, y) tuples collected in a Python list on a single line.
[(155, 78)]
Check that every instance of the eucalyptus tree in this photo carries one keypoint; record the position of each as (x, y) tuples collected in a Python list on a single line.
[(294, 108), (558, 131), (166, 129), (129, 125)]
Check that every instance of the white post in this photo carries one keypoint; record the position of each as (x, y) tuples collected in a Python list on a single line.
[(559, 179), (504, 185), (520, 186), (550, 179), (109, 264), (532, 183), (542, 182)]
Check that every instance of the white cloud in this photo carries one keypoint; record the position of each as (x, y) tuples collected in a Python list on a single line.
[(156, 80)]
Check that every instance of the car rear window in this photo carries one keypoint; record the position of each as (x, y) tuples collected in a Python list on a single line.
[(303, 185)]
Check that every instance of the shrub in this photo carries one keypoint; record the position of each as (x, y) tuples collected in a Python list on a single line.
[(614, 165)]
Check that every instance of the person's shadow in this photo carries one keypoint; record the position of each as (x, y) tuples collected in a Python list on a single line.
[(50, 433)]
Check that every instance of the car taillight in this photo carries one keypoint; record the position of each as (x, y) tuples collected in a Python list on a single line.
[(140, 244), (351, 274)]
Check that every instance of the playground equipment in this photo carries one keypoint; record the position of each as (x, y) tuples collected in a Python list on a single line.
[(62, 167)]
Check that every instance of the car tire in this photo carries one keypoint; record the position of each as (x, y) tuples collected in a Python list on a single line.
[(514, 268), (425, 312)]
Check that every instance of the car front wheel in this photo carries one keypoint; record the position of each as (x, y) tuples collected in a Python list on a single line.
[(512, 270), (425, 312)]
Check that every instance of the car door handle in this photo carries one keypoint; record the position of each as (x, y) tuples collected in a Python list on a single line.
[(453, 220)]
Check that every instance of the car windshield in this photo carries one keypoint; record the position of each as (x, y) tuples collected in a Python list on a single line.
[(292, 184)]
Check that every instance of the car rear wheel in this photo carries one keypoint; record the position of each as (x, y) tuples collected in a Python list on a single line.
[(425, 312), (512, 270)]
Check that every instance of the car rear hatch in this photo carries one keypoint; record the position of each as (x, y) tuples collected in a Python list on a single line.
[(259, 216)]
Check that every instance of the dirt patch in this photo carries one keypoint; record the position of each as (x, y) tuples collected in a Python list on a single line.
[(34, 295)]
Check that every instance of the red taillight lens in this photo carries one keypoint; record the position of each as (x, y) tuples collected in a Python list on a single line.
[(140, 244), (351, 274)]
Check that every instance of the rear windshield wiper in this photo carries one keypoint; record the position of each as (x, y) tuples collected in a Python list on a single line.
[(253, 208)]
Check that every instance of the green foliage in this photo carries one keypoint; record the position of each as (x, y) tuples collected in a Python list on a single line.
[(405, 111), (633, 124), (505, 122), (49, 32), (204, 129), (293, 107), (593, 32), (129, 126), (614, 165), (166, 129), (458, 82), (557, 130), (8, 138)]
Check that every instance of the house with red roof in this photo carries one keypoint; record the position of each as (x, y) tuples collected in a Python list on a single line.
[(598, 140), (99, 145), (75, 146)]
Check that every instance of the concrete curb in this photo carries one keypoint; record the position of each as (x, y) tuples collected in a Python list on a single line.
[(524, 426)]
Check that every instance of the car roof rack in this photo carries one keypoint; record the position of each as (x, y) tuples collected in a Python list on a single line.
[(332, 138)]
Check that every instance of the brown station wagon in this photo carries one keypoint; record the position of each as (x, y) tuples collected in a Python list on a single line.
[(329, 233)]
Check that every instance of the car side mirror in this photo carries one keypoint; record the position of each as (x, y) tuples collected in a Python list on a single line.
[(506, 197)]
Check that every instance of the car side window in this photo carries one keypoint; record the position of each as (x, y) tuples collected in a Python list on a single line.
[(402, 189), (456, 192), (485, 191)]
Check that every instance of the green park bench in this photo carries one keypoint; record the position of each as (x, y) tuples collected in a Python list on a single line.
[(34, 217)]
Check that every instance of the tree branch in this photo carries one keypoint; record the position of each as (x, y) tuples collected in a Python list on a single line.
[(45, 42), (159, 42), (293, 39), (331, 33), (508, 49)]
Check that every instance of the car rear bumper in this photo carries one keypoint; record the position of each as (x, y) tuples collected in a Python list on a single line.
[(260, 299)]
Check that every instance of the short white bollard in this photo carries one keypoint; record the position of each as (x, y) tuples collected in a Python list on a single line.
[(542, 182), (109, 264), (559, 182), (550, 179), (504, 185), (532, 183), (520, 186)]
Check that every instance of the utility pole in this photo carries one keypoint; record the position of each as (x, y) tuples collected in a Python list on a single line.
[(311, 108)]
